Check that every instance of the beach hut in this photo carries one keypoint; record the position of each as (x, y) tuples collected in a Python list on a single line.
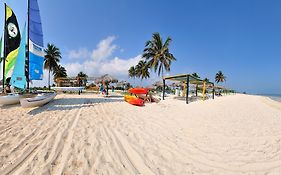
[(188, 80)]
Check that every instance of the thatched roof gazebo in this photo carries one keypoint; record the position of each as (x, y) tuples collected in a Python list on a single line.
[(188, 80), (106, 79)]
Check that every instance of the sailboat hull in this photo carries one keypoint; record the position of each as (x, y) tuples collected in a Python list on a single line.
[(10, 99), (39, 100)]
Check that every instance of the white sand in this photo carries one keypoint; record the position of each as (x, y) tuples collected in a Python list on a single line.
[(88, 134)]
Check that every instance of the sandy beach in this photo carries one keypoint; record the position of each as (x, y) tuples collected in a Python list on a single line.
[(90, 134)]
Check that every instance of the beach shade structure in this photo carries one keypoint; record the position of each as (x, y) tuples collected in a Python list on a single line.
[(106, 79), (187, 80), (221, 89)]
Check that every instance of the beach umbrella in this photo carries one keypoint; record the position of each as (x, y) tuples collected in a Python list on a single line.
[(106, 79)]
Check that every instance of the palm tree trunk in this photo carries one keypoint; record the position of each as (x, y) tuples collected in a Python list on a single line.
[(49, 79)]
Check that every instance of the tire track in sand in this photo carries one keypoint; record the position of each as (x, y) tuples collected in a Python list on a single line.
[(68, 141), (133, 158), (32, 150)]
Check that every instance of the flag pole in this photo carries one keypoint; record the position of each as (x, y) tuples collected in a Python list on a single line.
[(4, 51)]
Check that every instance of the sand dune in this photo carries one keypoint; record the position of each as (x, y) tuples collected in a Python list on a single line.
[(89, 134)]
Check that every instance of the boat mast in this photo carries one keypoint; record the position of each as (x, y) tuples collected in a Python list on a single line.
[(27, 60), (4, 50)]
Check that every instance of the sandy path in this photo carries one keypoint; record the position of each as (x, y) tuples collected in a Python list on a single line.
[(88, 134)]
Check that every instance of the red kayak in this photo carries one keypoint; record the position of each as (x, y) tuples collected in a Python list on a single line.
[(134, 100), (138, 91)]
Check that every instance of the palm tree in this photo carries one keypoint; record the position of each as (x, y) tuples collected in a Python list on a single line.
[(157, 54), (132, 73), (59, 71), (142, 70), (81, 75), (220, 77), (52, 58)]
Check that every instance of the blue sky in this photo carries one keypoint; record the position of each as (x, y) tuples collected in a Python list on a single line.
[(241, 38)]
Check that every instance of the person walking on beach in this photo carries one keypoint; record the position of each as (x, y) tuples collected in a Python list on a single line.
[(101, 88)]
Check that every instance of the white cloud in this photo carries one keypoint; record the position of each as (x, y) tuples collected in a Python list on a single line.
[(99, 61), (104, 49), (117, 67), (81, 53)]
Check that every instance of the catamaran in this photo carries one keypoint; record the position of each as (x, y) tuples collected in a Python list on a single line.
[(35, 57), (9, 50), (30, 59)]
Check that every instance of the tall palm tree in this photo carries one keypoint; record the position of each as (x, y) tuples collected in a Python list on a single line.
[(59, 71), (157, 54), (142, 70), (220, 77), (52, 58)]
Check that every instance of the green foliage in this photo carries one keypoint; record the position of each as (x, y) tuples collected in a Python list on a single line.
[(157, 55), (51, 59), (59, 72), (195, 75), (220, 77), (132, 72), (83, 77), (206, 80), (142, 70)]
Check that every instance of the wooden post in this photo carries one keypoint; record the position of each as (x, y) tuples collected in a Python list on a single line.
[(163, 97), (107, 90), (196, 91), (187, 88), (213, 91)]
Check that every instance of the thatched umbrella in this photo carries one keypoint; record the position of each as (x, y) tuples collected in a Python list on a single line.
[(106, 79)]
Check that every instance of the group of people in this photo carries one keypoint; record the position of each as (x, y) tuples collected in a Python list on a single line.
[(102, 89)]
